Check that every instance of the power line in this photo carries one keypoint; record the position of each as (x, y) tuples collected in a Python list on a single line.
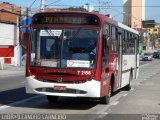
[(50, 4), (127, 6), (32, 3), (92, 1), (103, 6)]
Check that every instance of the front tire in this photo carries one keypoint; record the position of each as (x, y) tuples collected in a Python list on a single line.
[(52, 99), (106, 99)]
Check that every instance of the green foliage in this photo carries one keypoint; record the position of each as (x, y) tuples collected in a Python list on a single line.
[(76, 9)]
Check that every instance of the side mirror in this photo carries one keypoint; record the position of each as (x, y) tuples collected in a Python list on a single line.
[(108, 40), (23, 38)]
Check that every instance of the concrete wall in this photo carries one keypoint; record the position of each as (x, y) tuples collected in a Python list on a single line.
[(8, 34), (9, 44)]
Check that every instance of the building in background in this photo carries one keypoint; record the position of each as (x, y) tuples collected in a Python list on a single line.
[(9, 34), (153, 34), (9, 13), (134, 13)]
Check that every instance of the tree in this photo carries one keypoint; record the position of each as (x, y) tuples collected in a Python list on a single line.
[(76, 9)]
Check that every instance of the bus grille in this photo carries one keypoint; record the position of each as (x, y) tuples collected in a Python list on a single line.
[(67, 82), (51, 90)]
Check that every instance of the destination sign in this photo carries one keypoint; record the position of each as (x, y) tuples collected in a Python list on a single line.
[(66, 19)]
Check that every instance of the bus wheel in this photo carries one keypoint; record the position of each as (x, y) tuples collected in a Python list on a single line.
[(52, 99), (106, 99), (129, 86)]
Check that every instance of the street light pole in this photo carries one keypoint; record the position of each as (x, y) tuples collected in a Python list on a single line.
[(42, 6)]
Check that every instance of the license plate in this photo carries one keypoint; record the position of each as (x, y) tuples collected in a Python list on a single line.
[(59, 88)]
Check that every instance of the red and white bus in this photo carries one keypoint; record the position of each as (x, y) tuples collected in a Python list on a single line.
[(80, 54)]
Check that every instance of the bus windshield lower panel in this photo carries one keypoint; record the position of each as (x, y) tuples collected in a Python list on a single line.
[(64, 48)]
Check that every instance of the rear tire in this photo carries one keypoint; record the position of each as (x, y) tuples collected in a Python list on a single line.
[(52, 99), (129, 86)]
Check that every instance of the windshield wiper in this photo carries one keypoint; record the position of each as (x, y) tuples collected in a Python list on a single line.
[(61, 39), (75, 34)]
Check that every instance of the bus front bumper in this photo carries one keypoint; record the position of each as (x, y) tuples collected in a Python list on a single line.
[(88, 89)]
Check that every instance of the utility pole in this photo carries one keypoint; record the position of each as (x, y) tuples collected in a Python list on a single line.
[(27, 15), (99, 5), (42, 6)]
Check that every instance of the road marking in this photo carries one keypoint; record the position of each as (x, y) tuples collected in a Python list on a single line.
[(103, 112), (125, 95), (102, 115), (11, 75), (23, 82), (114, 103), (18, 102)]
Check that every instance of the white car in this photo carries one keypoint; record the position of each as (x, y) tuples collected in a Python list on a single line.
[(147, 56)]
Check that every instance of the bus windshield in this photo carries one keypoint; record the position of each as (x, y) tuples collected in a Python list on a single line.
[(64, 48)]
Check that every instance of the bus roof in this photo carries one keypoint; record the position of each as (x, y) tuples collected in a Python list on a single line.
[(127, 28)]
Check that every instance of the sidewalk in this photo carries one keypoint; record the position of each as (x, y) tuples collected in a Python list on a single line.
[(10, 70), (144, 97)]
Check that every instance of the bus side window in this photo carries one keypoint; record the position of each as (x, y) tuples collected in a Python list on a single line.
[(105, 44), (124, 45), (137, 43)]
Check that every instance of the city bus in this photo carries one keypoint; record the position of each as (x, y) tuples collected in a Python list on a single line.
[(80, 54)]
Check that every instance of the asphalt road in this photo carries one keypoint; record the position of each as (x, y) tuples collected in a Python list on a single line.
[(12, 89), (144, 98)]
